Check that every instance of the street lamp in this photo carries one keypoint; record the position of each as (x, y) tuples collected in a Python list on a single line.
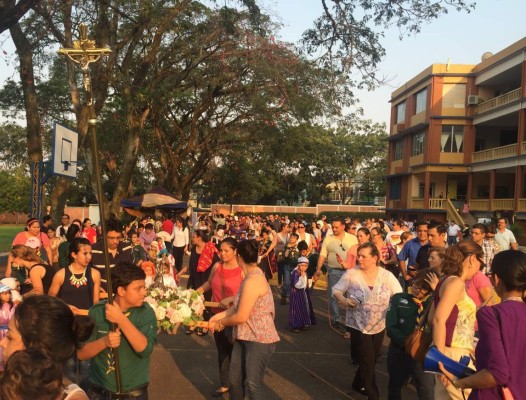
[(84, 53)]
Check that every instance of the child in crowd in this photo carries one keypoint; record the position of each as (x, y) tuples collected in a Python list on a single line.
[(301, 313), (149, 269), (168, 277), (7, 309), (303, 248), (403, 316), (290, 260)]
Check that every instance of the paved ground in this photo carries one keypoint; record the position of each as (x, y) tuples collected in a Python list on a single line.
[(313, 364)]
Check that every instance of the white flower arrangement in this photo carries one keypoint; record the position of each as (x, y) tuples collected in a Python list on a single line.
[(175, 306)]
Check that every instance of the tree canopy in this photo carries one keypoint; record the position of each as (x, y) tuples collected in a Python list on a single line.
[(200, 97)]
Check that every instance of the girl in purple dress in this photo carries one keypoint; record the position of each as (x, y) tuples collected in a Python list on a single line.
[(301, 313), (501, 350), (7, 309)]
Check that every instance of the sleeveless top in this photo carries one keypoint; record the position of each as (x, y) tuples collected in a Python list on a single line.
[(225, 283), (282, 242), (81, 296), (47, 278), (260, 326), (460, 325)]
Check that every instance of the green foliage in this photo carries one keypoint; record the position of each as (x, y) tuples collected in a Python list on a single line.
[(16, 190), (517, 230), (348, 34)]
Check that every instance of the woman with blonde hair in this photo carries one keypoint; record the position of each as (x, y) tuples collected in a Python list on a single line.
[(453, 311), (40, 274)]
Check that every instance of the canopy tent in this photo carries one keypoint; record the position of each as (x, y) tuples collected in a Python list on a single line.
[(156, 198)]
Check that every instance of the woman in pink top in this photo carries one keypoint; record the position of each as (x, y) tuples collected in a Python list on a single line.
[(224, 281), (254, 331), (32, 237)]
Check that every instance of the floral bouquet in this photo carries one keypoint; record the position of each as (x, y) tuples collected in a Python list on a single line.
[(175, 306)]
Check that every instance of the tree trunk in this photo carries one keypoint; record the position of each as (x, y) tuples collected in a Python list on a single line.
[(27, 80)]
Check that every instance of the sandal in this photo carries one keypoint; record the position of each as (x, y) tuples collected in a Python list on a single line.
[(201, 331), (220, 392), (188, 331)]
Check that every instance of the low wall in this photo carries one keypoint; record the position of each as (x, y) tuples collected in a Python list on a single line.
[(319, 209)]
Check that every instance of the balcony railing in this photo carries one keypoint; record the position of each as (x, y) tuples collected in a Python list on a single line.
[(499, 101), (503, 204), (522, 205), (479, 205), (496, 152), (417, 203), (436, 204), (523, 148)]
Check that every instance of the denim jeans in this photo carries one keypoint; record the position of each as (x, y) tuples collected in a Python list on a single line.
[(333, 276), (77, 371), (400, 365), (248, 364), (286, 280)]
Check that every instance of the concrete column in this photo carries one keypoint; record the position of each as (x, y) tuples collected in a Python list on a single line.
[(470, 186), (519, 182), (492, 176), (427, 184)]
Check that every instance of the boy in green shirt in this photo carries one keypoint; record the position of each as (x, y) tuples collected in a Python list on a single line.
[(134, 338), (402, 318)]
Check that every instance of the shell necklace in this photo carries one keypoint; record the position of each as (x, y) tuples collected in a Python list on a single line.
[(77, 282)]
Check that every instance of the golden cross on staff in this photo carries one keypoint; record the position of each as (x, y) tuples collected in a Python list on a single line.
[(84, 53)]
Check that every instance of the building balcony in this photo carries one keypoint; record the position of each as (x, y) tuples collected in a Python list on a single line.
[(496, 204), (523, 151), (496, 153), (499, 101), (417, 203)]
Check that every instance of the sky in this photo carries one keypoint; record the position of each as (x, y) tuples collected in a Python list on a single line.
[(459, 37)]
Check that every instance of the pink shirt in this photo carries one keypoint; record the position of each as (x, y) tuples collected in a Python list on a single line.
[(479, 281), (260, 326), (31, 241)]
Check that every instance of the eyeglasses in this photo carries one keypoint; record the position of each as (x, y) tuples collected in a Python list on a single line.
[(353, 227), (301, 227)]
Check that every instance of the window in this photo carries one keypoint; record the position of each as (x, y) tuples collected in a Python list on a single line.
[(421, 101), (454, 95), (418, 144), (398, 150), (452, 140), (422, 187), (400, 112), (394, 188)]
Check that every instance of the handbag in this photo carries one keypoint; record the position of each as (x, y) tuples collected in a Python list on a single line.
[(505, 392), (418, 342)]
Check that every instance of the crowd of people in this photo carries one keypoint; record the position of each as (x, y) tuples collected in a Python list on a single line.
[(468, 286)]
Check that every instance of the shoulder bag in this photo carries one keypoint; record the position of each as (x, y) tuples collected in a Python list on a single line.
[(418, 342)]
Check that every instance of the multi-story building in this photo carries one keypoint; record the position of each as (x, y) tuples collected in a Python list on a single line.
[(458, 134)]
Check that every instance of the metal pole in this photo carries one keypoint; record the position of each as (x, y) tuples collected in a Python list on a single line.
[(85, 52)]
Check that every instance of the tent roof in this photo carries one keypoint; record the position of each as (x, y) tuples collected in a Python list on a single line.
[(157, 197)]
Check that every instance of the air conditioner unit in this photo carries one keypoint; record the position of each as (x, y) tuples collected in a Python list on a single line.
[(473, 100)]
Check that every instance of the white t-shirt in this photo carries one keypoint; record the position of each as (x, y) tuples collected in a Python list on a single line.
[(505, 239)]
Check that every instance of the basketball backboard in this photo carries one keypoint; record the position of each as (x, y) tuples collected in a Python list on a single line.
[(64, 151)]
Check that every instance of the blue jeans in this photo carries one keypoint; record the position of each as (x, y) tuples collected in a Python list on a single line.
[(248, 364), (77, 371), (333, 276), (400, 365), (286, 280)]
